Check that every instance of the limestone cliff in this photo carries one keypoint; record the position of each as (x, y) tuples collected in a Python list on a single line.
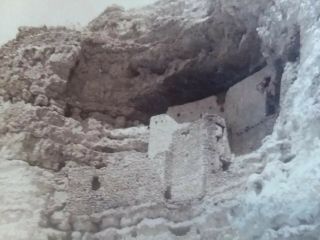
[(180, 120)]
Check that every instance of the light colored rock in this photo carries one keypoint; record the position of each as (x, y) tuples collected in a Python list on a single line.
[(110, 222), (83, 224), (61, 220), (24, 191), (161, 127), (41, 100), (282, 201), (76, 236), (62, 63)]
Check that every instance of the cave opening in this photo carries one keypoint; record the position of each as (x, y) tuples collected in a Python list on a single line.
[(135, 83), (97, 99), (128, 93)]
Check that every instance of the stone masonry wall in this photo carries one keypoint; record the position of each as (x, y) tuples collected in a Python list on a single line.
[(93, 190), (194, 110), (186, 153), (249, 107)]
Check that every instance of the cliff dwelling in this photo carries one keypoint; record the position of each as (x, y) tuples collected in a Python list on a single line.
[(140, 121)]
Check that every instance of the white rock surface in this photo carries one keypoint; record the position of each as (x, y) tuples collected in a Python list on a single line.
[(283, 201), (24, 191)]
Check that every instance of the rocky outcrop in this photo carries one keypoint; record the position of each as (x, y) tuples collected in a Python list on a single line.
[(169, 60), (71, 87), (46, 138), (275, 206), (163, 54)]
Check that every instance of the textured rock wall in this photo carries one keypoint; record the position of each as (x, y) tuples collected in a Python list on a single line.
[(46, 138), (162, 59), (282, 200)]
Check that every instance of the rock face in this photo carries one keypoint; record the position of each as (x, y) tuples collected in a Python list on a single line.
[(127, 129), (274, 203), (161, 59)]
